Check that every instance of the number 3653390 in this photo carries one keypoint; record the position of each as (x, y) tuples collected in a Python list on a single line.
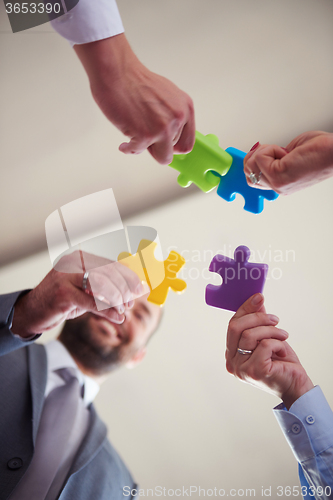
[(32, 8)]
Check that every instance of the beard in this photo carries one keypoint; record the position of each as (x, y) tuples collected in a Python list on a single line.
[(80, 340)]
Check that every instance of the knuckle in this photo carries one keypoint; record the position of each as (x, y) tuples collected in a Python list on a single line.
[(62, 294), (279, 174), (70, 263), (97, 282), (260, 317), (118, 299), (265, 343), (250, 163), (232, 328), (189, 106), (97, 279), (162, 126), (247, 335), (135, 284), (64, 264), (324, 143), (180, 116)]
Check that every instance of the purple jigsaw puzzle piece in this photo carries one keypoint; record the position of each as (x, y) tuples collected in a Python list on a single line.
[(240, 280), (234, 181)]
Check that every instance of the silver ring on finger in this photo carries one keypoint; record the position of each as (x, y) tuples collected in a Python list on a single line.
[(254, 178), (244, 351), (85, 282)]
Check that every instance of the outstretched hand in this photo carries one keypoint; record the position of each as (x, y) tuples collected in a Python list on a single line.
[(306, 160), (149, 109), (60, 295), (273, 366)]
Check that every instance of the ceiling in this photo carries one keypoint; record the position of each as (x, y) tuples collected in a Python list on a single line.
[(256, 70)]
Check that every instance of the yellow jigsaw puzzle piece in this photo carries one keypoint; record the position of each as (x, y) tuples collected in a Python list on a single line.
[(154, 269), (172, 265), (134, 263), (159, 275)]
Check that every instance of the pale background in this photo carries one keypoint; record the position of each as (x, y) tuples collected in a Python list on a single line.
[(257, 70)]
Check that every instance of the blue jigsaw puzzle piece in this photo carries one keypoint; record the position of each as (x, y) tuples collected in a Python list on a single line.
[(234, 181)]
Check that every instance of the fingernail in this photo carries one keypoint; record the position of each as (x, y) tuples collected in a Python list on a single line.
[(286, 334), (101, 298), (130, 304), (121, 309), (139, 289), (255, 146), (286, 150), (256, 299), (120, 320), (273, 318)]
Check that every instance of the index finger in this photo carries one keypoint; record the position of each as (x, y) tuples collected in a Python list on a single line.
[(162, 150), (250, 306), (186, 140)]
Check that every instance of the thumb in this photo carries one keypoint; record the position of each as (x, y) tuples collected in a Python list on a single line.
[(251, 305), (134, 146)]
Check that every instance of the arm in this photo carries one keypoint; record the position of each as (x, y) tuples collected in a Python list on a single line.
[(149, 109), (308, 429), (306, 160), (274, 367), (60, 296)]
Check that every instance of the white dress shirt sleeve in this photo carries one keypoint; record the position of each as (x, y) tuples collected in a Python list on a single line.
[(89, 21), (308, 428)]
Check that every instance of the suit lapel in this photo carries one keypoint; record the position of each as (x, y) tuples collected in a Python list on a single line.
[(37, 365), (92, 442)]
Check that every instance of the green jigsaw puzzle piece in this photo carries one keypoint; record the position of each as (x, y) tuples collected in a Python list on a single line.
[(197, 166)]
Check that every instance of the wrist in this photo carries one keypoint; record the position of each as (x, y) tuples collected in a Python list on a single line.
[(21, 324), (298, 388), (105, 61)]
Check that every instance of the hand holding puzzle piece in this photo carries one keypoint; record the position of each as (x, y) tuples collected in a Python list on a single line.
[(209, 166)]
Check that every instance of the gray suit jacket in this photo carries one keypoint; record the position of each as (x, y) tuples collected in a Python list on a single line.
[(97, 471)]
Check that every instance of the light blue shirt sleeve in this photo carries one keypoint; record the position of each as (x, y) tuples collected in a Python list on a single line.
[(308, 428), (89, 21)]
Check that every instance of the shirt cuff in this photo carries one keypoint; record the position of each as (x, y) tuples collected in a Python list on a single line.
[(307, 425), (89, 21)]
